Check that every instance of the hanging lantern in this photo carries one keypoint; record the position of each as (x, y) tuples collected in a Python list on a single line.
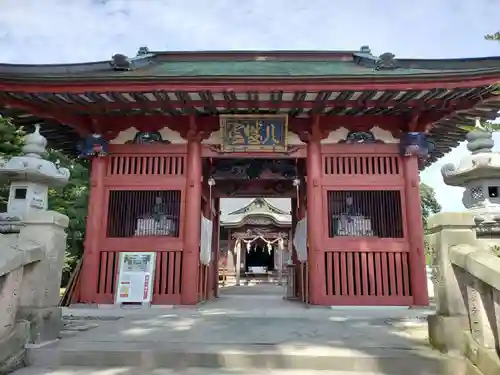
[(296, 184), (416, 144), (93, 145)]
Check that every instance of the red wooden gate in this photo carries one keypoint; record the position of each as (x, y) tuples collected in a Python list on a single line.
[(365, 236), (135, 180)]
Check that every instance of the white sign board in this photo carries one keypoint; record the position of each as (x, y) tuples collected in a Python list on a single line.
[(135, 278)]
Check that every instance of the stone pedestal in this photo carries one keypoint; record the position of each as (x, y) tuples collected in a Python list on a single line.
[(447, 326), (40, 287)]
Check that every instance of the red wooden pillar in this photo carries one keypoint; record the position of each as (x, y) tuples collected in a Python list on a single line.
[(93, 231), (314, 215), (192, 225), (418, 273), (216, 239)]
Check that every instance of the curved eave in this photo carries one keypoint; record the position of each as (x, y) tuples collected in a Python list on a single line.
[(448, 134), (138, 81)]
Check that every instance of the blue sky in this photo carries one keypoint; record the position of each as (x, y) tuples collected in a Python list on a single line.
[(51, 31)]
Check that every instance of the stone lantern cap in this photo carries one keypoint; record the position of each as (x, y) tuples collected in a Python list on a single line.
[(472, 168), (31, 166), (480, 164)]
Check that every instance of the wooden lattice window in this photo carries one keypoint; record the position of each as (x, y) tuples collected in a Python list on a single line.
[(108, 267), (146, 165), (367, 273), (361, 165), (365, 213), (144, 213)]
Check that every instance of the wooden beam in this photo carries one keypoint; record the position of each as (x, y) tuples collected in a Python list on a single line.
[(190, 105), (299, 151)]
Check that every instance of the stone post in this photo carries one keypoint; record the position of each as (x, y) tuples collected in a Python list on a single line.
[(40, 287), (446, 326)]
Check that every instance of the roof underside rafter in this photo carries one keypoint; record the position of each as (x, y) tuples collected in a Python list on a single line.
[(454, 107)]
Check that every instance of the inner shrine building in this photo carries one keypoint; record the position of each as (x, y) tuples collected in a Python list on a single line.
[(343, 134)]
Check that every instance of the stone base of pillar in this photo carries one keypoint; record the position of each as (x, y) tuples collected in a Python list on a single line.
[(46, 323), (446, 333)]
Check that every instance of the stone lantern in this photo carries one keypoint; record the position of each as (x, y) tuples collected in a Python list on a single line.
[(31, 224), (30, 177), (479, 173)]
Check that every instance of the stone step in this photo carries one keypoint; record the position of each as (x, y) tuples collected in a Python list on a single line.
[(188, 371), (148, 355)]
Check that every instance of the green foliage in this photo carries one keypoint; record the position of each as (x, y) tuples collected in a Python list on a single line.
[(495, 249), (11, 138), (11, 143), (70, 200), (482, 126), (429, 206), (428, 202), (494, 36)]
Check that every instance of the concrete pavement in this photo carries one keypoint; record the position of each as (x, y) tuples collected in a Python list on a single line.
[(249, 328)]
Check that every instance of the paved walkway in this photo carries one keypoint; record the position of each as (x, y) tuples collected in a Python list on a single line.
[(246, 321)]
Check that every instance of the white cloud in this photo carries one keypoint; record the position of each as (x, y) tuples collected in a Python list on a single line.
[(81, 30)]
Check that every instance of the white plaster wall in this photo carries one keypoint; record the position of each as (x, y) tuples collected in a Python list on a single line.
[(341, 133), (167, 134)]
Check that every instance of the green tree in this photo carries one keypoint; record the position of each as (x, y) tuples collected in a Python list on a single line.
[(11, 138), (11, 142), (70, 200), (482, 126), (428, 202), (430, 206), (494, 36)]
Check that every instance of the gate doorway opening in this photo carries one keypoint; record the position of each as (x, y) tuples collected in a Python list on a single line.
[(255, 245), (256, 219), (259, 257)]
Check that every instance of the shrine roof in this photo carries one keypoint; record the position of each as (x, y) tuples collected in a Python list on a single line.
[(340, 85), (252, 64), (257, 208)]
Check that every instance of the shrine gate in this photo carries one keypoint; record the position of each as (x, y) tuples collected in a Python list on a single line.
[(168, 134)]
